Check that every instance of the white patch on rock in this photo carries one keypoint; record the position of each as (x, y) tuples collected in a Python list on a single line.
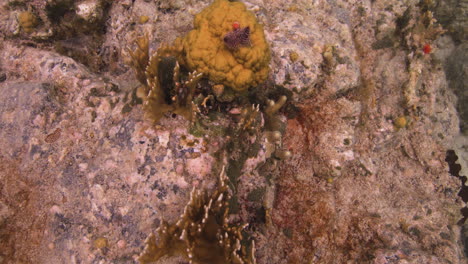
[(201, 166), (163, 137), (90, 11)]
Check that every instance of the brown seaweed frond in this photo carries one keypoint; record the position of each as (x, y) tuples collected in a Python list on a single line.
[(274, 127), (273, 107), (184, 93), (140, 58), (203, 233), (164, 89), (249, 118)]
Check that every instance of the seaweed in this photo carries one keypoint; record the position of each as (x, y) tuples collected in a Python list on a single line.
[(203, 233), (165, 89)]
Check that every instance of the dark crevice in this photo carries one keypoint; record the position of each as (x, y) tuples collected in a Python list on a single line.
[(454, 169)]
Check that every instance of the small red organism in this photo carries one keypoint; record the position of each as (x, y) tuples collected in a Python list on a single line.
[(427, 49), (235, 25)]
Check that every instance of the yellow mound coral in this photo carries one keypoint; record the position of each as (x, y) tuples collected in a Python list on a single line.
[(206, 52), (27, 21)]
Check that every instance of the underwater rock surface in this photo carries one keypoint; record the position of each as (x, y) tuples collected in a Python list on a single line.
[(352, 169)]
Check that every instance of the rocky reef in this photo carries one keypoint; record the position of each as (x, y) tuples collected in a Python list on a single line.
[(276, 132)]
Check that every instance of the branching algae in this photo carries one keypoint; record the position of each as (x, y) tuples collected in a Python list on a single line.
[(203, 234), (164, 89)]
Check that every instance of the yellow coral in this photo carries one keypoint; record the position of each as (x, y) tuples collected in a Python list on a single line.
[(401, 122), (27, 21), (206, 52)]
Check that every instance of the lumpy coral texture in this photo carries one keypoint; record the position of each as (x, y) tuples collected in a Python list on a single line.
[(206, 51)]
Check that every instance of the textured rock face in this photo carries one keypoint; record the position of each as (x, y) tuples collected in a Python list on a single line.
[(85, 179)]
